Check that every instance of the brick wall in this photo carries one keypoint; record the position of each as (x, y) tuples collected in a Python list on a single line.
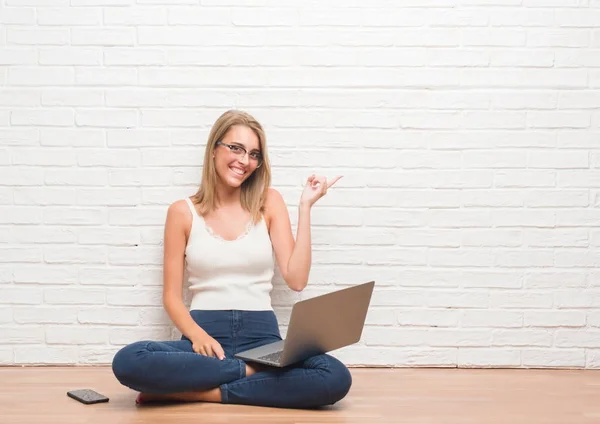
[(468, 132)]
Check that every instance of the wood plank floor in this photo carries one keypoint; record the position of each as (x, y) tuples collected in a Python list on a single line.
[(37, 395)]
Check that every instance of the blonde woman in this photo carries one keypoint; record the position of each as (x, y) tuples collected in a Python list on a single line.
[(227, 237)]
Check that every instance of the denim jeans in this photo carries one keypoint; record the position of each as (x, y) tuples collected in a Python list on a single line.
[(162, 367)]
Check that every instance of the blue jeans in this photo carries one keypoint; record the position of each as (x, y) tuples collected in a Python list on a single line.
[(162, 367)]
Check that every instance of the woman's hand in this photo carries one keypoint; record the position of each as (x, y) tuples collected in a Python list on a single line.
[(315, 188), (207, 346)]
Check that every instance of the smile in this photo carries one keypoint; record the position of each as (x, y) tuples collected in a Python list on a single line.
[(237, 171)]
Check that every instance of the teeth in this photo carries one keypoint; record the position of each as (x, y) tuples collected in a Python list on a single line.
[(238, 171)]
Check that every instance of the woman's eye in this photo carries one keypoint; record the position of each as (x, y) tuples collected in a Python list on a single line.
[(236, 149), (255, 155)]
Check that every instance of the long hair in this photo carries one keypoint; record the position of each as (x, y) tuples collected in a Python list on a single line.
[(254, 189)]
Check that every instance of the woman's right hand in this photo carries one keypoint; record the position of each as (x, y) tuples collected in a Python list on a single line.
[(207, 346)]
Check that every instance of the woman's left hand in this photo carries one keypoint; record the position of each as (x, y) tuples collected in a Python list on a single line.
[(315, 188)]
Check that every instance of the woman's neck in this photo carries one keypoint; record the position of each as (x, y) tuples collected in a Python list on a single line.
[(228, 196)]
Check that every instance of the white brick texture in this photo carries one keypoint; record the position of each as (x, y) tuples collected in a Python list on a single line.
[(468, 132)]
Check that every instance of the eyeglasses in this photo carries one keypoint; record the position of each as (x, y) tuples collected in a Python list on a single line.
[(240, 152)]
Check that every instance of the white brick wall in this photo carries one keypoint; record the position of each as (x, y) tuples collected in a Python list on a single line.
[(468, 132)]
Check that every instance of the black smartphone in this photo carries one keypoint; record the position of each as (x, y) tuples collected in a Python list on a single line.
[(87, 396)]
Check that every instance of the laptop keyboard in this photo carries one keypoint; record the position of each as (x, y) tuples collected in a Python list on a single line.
[(272, 357)]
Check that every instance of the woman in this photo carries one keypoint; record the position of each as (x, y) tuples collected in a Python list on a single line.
[(227, 237)]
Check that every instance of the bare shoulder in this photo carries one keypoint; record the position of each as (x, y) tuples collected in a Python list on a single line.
[(273, 197), (179, 208), (179, 215), (274, 204), (274, 201)]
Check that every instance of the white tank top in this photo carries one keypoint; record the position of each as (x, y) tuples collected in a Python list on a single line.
[(225, 274)]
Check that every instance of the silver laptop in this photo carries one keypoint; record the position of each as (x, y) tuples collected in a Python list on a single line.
[(318, 325)]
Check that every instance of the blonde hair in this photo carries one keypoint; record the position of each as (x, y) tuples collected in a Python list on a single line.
[(254, 189)]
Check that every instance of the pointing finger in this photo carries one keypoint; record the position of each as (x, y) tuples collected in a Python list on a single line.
[(333, 181)]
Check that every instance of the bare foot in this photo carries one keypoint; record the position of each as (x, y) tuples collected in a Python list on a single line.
[(148, 397)]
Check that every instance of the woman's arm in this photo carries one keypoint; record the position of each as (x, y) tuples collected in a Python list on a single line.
[(178, 219), (173, 266), (295, 257)]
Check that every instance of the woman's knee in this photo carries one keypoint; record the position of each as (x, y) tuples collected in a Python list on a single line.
[(339, 379), (126, 362)]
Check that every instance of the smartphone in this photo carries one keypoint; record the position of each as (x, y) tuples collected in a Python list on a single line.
[(87, 396)]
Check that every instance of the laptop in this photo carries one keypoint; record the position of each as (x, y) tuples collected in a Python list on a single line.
[(318, 325)]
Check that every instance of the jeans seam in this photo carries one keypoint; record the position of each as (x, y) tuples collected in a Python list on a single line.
[(224, 395), (242, 369), (325, 368), (225, 387)]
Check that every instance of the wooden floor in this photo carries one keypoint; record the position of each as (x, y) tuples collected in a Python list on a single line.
[(37, 395)]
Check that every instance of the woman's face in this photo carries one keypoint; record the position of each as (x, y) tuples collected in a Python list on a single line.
[(237, 155)]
